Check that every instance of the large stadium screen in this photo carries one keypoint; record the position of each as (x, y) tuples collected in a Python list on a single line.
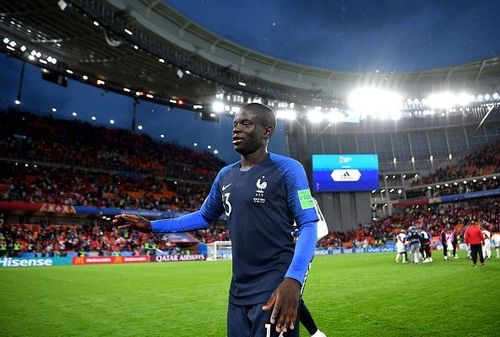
[(345, 172)]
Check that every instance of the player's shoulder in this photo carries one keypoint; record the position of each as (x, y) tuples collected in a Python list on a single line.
[(285, 163), (228, 168)]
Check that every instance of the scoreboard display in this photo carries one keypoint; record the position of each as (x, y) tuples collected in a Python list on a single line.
[(345, 172)]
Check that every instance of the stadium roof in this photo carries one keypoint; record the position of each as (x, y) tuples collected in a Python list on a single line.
[(149, 50)]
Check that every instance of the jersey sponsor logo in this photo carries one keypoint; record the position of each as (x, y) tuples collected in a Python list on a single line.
[(259, 193), (305, 198), (226, 186)]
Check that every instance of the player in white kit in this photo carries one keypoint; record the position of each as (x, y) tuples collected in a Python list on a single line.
[(401, 246)]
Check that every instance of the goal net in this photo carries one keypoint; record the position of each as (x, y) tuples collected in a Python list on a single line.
[(219, 250)]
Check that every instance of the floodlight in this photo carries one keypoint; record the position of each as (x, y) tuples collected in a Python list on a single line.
[(286, 114), (217, 107), (315, 116), (375, 102)]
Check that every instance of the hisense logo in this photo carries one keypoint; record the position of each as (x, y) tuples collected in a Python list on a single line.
[(9, 262)]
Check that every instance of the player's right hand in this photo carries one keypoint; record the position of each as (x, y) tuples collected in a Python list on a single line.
[(132, 221)]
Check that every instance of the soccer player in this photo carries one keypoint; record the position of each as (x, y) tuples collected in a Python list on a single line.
[(261, 195), (496, 241), (425, 246), (444, 243), (487, 242), (401, 246), (414, 240)]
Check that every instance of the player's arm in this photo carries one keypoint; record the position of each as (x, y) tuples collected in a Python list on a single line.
[(285, 299), (210, 211)]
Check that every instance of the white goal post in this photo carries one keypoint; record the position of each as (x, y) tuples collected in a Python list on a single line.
[(219, 250)]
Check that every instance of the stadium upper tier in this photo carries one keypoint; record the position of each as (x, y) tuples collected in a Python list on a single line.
[(146, 49), (57, 141)]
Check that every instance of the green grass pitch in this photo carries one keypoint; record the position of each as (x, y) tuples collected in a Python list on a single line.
[(349, 295)]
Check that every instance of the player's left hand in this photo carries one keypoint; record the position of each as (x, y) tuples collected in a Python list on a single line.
[(285, 304)]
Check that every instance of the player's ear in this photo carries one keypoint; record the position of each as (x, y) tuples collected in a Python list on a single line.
[(268, 131)]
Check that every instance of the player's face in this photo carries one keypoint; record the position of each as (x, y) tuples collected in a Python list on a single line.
[(248, 133)]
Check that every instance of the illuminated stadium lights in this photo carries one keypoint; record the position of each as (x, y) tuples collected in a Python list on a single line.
[(213, 115), (180, 102), (334, 116), (450, 156), (400, 191), (195, 144), (31, 57), (188, 72), (38, 54), (136, 47), (373, 191), (479, 98), (495, 96), (85, 77), (100, 82), (12, 43), (429, 188), (74, 114), (315, 116), (382, 190), (474, 180), (217, 107), (42, 61), (197, 106), (17, 102), (216, 151), (391, 190), (93, 118), (96, 23), (286, 114), (438, 186), (446, 185), (416, 174), (412, 159), (10, 48), (139, 127), (127, 31), (149, 96), (404, 176), (455, 183), (23, 48), (69, 71), (6, 40), (394, 160), (209, 147), (243, 84), (465, 181), (484, 179), (139, 93), (161, 60), (487, 97), (162, 136), (111, 121), (377, 103), (54, 110), (431, 158), (173, 101), (235, 109)]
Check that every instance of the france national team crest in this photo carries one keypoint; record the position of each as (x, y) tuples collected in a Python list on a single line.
[(259, 193)]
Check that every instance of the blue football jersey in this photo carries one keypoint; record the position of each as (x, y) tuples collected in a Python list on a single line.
[(261, 205)]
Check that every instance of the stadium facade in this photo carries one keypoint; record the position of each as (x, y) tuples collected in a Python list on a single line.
[(148, 50)]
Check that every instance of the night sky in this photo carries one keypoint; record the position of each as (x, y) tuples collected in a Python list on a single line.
[(355, 35)]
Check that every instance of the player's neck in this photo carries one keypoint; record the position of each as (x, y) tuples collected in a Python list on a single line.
[(250, 160)]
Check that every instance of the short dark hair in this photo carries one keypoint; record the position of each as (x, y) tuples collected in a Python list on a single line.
[(265, 115)]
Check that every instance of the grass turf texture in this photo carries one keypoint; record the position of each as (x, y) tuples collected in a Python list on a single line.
[(348, 295)]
